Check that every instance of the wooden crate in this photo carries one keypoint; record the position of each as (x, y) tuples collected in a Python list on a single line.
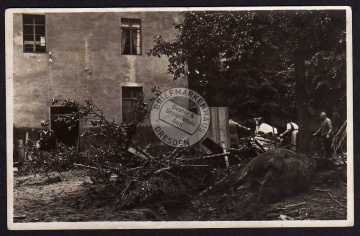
[(219, 127)]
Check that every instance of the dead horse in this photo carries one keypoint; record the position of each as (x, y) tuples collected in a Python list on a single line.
[(280, 173)]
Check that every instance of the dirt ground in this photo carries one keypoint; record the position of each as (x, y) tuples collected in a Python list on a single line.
[(75, 199)]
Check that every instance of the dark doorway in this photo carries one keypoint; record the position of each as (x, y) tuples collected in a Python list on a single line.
[(69, 137)]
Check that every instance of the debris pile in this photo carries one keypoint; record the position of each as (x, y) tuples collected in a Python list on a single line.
[(273, 175), (128, 176)]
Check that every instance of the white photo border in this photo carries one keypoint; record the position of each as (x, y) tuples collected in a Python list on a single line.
[(174, 224)]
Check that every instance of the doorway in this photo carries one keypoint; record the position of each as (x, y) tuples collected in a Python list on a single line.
[(69, 137)]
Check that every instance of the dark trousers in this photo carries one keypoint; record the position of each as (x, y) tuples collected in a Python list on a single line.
[(327, 146)]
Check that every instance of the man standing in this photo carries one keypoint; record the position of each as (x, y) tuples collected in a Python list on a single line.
[(291, 131), (47, 139), (326, 130), (234, 135)]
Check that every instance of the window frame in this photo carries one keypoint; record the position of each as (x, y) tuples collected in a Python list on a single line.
[(129, 21), (34, 24), (132, 98)]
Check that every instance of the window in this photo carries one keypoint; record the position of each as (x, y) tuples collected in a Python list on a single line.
[(130, 36), (34, 33), (129, 102)]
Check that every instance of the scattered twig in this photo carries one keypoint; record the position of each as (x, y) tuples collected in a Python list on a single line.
[(216, 155), (87, 167), (135, 168), (293, 212), (162, 170), (296, 204), (105, 166), (19, 217), (335, 136), (126, 189), (93, 167), (339, 203), (322, 190), (196, 166)]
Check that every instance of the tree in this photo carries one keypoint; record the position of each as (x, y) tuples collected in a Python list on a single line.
[(259, 61), (301, 36)]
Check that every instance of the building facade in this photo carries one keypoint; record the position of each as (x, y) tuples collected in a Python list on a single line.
[(99, 55)]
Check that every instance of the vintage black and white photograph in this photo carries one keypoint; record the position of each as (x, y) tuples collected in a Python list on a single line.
[(179, 117)]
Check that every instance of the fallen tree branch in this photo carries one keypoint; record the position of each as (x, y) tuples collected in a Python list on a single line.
[(340, 142), (335, 136)]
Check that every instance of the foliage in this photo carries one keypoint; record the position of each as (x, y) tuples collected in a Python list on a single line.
[(108, 140), (201, 41), (104, 131), (247, 60), (326, 74), (48, 161)]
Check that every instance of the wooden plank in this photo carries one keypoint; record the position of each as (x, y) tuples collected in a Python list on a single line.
[(212, 146), (223, 126), (225, 157), (219, 126), (214, 124), (137, 153)]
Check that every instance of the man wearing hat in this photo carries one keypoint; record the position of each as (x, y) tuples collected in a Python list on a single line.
[(47, 138)]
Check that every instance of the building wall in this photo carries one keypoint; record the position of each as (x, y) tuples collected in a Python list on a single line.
[(87, 40)]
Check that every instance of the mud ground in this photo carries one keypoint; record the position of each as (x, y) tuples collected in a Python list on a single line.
[(74, 199)]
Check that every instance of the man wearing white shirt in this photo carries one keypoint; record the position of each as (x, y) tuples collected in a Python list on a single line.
[(292, 130)]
